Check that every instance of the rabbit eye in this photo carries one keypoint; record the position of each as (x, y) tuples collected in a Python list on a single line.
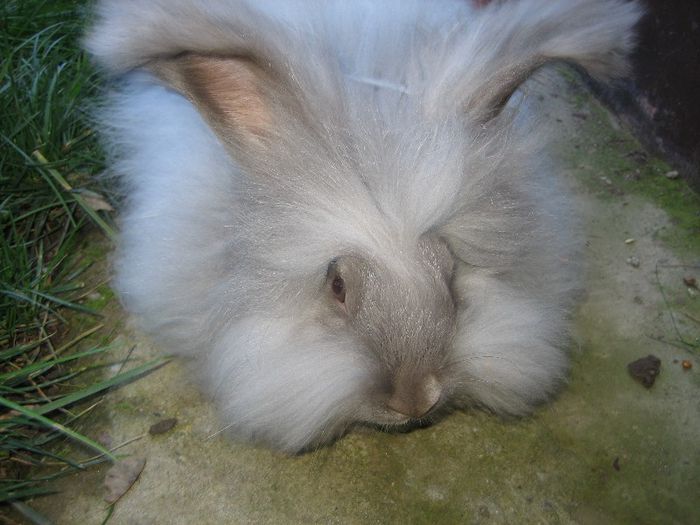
[(338, 287)]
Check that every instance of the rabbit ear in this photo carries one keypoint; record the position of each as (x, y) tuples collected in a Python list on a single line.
[(229, 92), (506, 42), (228, 58)]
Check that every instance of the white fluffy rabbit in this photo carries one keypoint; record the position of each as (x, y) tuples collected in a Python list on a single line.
[(331, 211)]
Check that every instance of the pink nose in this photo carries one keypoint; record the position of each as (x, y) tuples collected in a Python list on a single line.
[(415, 398)]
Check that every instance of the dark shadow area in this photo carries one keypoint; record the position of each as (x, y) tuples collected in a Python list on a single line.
[(659, 102)]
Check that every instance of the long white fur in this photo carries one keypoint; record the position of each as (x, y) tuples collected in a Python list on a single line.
[(226, 267)]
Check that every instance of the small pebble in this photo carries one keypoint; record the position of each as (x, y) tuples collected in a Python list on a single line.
[(687, 365), (690, 281), (162, 426), (645, 369), (633, 261), (671, 174)]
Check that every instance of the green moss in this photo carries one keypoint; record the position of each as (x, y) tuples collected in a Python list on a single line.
[(95, 249), (100, 297), (125, 406), (611, 417), (612, 164)]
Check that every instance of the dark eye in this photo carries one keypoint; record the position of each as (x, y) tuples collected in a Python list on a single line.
[(338, 287)]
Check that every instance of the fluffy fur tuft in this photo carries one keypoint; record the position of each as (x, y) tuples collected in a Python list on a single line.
[(387, 143)]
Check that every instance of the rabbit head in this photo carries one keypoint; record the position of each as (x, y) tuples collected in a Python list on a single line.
[(329, 208), (404, 317)]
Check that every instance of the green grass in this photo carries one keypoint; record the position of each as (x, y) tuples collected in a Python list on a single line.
[(49, 157)]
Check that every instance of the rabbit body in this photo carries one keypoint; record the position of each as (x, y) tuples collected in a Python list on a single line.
[(330, 210)]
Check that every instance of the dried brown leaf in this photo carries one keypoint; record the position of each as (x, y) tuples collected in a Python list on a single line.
[(121, 476), (96, 201)]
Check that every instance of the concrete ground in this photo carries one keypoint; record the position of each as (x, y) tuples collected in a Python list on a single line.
[(607, 450)]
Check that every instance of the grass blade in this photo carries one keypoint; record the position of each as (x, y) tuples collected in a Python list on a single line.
[(118, 379), (49, 423), (109, 231)]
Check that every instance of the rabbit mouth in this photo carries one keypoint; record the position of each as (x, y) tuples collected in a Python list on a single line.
[(402, 426), (387, 418)]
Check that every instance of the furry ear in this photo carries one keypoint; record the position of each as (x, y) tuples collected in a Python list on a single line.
[(509, 41), (229, 92), (228, 58)]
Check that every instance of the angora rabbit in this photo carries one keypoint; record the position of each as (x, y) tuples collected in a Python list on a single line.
[(333, 209)]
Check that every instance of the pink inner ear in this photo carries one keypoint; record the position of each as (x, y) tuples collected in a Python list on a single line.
[(232, 89), (226, 90)]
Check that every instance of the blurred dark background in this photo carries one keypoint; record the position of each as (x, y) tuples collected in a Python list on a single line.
[(661, 101)]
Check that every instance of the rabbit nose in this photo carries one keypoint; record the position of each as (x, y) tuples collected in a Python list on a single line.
[(415, 398)]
